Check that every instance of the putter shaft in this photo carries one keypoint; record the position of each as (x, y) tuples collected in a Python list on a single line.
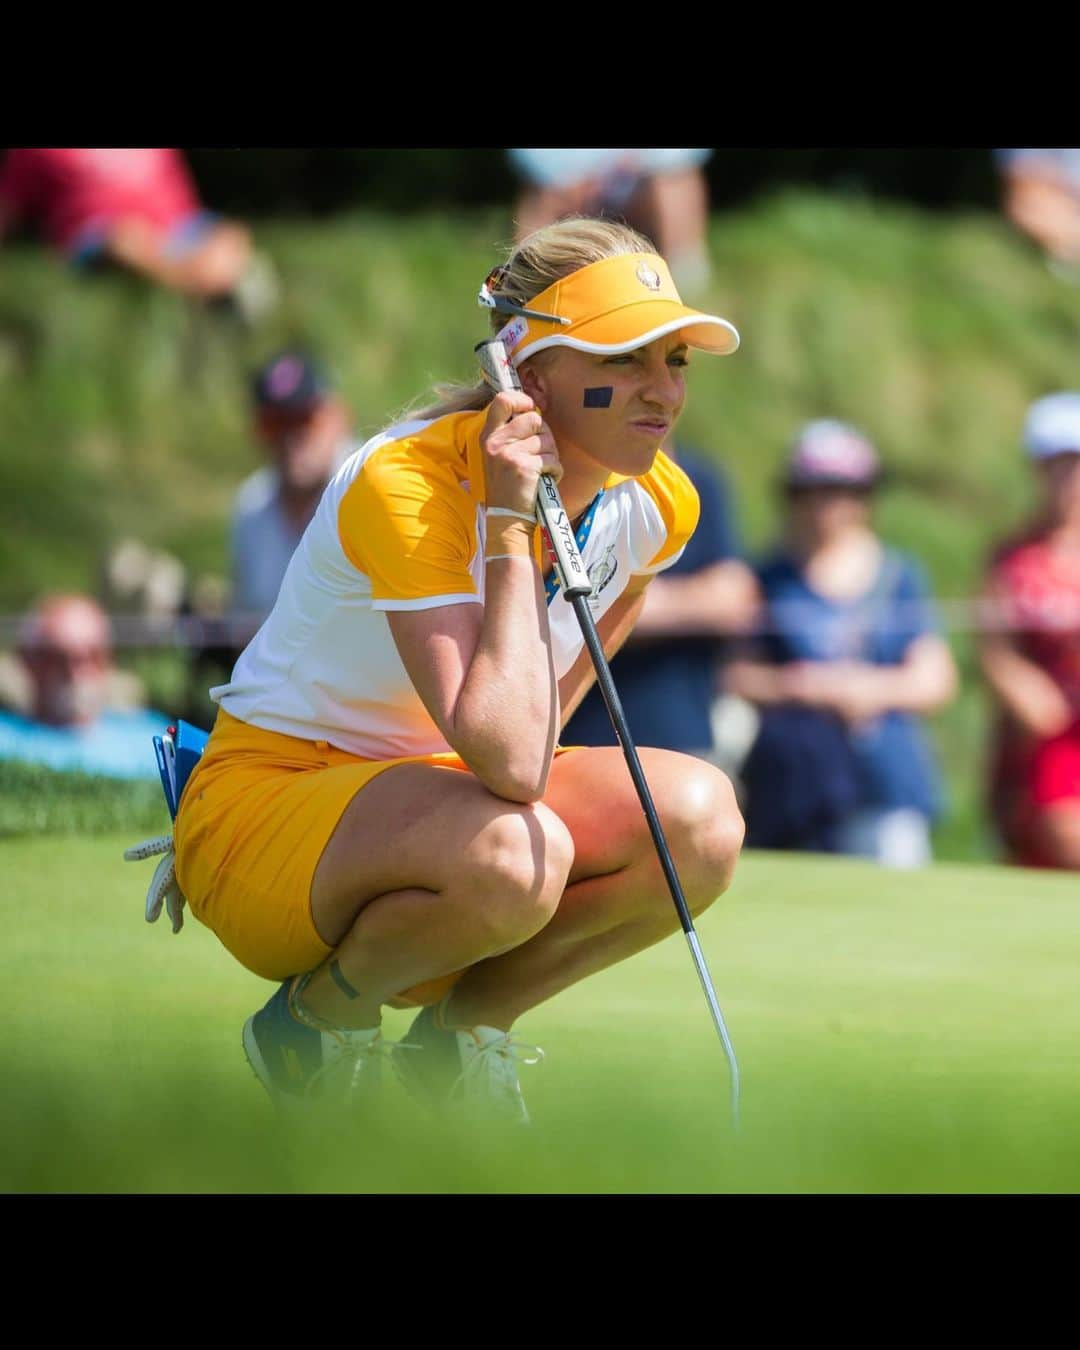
[(573, 579), (614, 707)]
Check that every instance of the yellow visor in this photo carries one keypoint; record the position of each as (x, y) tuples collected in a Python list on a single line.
[(615, 305)]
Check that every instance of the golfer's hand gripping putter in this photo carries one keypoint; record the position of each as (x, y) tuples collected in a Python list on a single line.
[(550, 512)]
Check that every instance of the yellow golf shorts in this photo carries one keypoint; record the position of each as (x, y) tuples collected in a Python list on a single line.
[(256, 814)]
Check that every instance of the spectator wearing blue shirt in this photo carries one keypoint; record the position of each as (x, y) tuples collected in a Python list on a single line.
[(847, 658), (666, 674), (660, 192), (64, 645)]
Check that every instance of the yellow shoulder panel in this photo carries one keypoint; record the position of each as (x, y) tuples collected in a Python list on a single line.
[(676, 499), (408, 524)]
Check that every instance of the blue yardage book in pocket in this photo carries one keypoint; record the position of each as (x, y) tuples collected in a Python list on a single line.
[(169, 742), (190, 743), (166, 776)]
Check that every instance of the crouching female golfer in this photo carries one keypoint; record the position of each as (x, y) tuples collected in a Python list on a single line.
[(382, 815)]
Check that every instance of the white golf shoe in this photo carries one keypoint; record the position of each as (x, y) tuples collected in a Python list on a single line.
[(472, 1071), (301, 1064)]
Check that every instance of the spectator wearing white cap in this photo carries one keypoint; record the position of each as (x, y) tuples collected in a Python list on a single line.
[(1030, 652), (847, 658)]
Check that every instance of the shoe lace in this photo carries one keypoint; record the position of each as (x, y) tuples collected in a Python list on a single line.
[(351, 1055), (494, 1067)]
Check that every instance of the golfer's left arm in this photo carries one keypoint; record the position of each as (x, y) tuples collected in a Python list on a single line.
[(614, 628)]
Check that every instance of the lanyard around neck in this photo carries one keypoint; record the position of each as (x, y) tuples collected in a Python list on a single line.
[(551, 582)]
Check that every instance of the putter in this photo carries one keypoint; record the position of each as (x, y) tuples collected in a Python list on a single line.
[(576, 587)]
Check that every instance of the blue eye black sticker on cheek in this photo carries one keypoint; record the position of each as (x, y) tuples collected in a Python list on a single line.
[(599, 398)]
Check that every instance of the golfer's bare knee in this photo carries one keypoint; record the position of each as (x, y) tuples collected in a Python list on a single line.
[(515, 872), (704, 829)]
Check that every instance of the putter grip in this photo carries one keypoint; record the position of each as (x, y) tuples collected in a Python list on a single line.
[(550, 512)]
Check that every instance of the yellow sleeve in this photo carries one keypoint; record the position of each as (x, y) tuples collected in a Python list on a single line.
[(410, 526), (677, 500)]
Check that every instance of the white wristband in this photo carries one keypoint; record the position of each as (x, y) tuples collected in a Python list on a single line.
[(495, 557), (505, 511)]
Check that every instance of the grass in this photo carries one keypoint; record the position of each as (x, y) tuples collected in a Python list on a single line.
[(35, 800), (895, 1033), (125, 410)]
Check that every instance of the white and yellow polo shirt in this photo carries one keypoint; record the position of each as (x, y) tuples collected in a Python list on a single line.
[(401, 526)]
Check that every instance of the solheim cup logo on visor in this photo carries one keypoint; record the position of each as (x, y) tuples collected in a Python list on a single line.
[(648, 277)]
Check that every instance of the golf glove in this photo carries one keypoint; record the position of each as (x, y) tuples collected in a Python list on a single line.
[(164, 888)]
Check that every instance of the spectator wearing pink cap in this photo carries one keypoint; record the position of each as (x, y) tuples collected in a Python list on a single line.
[(1030, 652), (847, 658)]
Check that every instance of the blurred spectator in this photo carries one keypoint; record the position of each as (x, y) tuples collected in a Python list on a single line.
[(848, 656), (138, 580), (661, 193), (139, 209), (64, 646), (1030, 653), (666, 672), (1041, 197), (304, 429)]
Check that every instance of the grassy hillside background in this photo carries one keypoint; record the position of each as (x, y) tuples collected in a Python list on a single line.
[(124, 411)]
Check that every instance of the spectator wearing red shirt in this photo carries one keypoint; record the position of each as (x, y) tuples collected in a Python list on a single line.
[(138, 208), (1030, 653)]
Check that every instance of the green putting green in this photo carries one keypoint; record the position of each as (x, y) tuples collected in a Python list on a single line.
[(895, 1032)]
